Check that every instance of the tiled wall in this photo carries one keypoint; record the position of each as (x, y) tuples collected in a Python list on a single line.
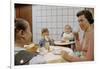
[(54, 18)]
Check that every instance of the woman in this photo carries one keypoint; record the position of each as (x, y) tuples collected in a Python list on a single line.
[(86, 21)]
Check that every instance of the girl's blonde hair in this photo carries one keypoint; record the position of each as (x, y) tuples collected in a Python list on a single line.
[(69, 27)]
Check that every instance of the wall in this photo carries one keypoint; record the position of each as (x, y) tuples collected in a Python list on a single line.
[(24, 11), (54, 18)]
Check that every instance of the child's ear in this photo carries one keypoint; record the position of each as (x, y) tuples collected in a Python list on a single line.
[(21, 32)]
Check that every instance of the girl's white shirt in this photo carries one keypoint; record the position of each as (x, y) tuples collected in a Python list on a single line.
[(69, 36)]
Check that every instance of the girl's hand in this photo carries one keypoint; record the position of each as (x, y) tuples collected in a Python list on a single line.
[(64, 39), (47, 38)]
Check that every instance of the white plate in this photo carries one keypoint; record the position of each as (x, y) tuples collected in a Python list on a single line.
[(57, 50), (63, 43)]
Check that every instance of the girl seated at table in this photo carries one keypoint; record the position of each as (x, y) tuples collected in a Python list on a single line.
[(67, 35), (45, 40)]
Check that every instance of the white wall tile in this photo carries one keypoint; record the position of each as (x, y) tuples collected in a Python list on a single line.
[(54, 18)]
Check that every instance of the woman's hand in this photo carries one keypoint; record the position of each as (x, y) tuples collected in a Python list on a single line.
[(65, 55), (70, 58)]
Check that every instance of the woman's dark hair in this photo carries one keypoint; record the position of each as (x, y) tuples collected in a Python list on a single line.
[(87, 14)]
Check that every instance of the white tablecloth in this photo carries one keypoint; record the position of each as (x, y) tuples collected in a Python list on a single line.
[(54, 56)]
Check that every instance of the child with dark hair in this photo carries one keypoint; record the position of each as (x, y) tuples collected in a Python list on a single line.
[(24, 51), (45, 40), (22, 34)]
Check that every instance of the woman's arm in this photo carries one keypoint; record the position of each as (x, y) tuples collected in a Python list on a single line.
[(90, 49), (78, 45), (89, 54), (70, 58), (77, 41)]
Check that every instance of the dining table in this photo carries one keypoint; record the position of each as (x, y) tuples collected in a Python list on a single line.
[(53, 55)]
